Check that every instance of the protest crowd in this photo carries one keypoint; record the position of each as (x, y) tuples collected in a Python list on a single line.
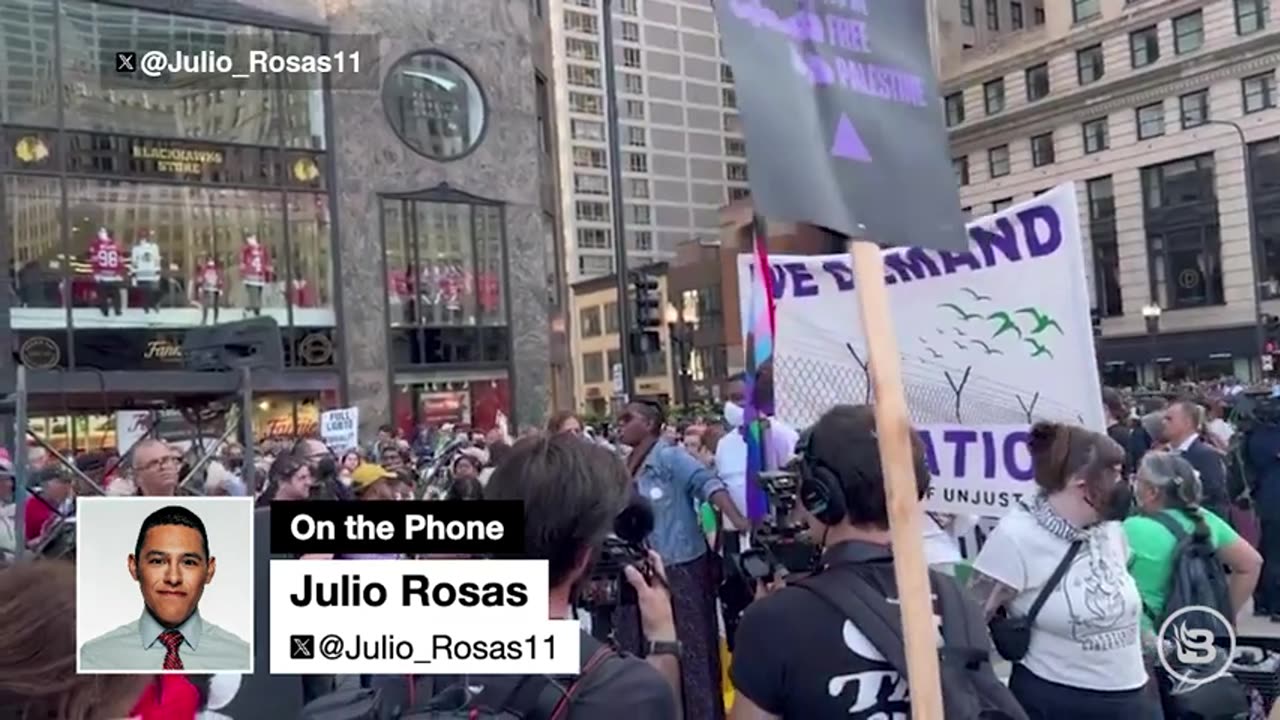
[(1179, 485)]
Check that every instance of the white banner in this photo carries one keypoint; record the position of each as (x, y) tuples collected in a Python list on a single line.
[(421, 617), (131, 426), (991, 339), (340, 428)]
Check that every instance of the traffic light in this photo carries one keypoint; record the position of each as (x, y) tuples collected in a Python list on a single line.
[(648, 301)]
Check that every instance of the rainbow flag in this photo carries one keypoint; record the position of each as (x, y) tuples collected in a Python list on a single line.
[(761, 330)]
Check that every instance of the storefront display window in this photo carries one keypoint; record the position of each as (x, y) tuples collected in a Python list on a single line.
[(256, 110), (479, 404)]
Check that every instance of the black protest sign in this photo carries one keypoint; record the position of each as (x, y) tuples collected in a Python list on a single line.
[(843, 121)]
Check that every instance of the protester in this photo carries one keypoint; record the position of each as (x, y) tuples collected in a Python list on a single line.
[(289, 478), (38, 651), (798, 657), (1085, 657), (571, 491), (1118, 421), (564, 421), (54, 496), (155, 468), (674, 482), (8, 510), (1168, 485), (1181, 432)]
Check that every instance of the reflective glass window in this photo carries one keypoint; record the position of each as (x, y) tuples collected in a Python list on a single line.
[(28, 73)]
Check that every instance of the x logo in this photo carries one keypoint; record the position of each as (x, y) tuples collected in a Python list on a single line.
[(126, 62), (302, 647)]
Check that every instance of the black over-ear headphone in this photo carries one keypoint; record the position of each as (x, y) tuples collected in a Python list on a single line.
[(820, 490)]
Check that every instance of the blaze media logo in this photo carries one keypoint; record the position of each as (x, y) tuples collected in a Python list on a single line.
[(1188, 645)]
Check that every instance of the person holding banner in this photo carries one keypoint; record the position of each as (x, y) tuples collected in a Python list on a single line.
[(1081, 658)]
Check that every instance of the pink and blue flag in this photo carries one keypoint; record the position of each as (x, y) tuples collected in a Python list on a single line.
[(761, 331)]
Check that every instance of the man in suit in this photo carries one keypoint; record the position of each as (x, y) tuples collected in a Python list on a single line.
[(1181, 430)]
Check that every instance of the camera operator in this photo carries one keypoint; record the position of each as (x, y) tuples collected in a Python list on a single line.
[(801, 653), (572, 491)]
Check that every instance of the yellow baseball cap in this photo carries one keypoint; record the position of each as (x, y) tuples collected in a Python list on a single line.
[(367, 474)]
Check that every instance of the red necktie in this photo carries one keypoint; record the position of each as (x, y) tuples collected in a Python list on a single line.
[(171, 639)]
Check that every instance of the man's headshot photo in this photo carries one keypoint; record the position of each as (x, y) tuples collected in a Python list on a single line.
[(189, 561)]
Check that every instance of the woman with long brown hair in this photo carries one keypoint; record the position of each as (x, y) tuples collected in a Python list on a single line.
[(38, 679)]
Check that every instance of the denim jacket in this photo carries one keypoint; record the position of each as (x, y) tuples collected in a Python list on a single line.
[(674, 482)]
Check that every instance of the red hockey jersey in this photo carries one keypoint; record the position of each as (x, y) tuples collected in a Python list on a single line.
[(106, 259), (209, 277), (255, 265)]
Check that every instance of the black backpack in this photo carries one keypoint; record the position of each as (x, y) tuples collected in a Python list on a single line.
[(970, 688), (1197, 579), (513, 697)]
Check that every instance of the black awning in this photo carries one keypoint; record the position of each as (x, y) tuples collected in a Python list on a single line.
[(87, 390), (1196, 346)]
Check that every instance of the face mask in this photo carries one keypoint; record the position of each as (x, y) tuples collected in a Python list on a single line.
[(734, 414), (1117, 504)]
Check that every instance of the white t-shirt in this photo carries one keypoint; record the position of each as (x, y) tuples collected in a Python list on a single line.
[(1087, 634), (731, 459), (940, 548)]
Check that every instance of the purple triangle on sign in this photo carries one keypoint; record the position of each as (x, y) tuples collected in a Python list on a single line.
[(847, 144)]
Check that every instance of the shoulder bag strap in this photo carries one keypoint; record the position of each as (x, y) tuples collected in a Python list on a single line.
[(851, 596), (1170, 524), (1054, 579)]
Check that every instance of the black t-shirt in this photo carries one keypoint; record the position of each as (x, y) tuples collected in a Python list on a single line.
[(798, 658), (623, 687)]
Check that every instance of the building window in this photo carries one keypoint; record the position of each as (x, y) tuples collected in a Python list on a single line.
[(1089, 64), (633, 109), (544, 113), (434, 105), (640, 240), (960, 166), (1144, 46), (1038, 82), (736, 172), (591, 130), (638, 215), (637, 162), (585, 157), (1193, 109), (592, 367), (726, 73), (993, 15), (444, 256), (955, 108), (1188, 32), (1183, 238), (1097, 135), (589, 322), (1082, 10), (1265, 161), (998, 161), (593, 239), (966, 12), (592, 211), (1038, 13), (1151, 121), (583, 76), (1259, 92), (581, 22), (585, 184), (1106, 247), (630, 57), (735, 147), (1042, 150), (636, 187), (627, 7), (585, 103), (993, 96), (1015, 15), (632, 84), (610, 312), (1001, 204), (728, 97), (1251, 16), (581, 49), (630, 31), (635, 136)]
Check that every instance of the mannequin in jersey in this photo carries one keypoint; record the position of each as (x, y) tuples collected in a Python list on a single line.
[(107, 264), (144, 261), (208, 288), (255, 264)]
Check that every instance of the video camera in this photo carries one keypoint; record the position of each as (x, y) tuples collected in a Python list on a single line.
[(606, 588), (781, 542)]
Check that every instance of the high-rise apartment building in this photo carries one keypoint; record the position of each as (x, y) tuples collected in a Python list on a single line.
[(681, 145), (1151, 107)]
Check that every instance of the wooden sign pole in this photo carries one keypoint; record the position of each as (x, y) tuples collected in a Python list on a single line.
[(893, 425)]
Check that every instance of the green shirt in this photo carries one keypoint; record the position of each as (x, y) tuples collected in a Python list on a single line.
[(1151, 548)]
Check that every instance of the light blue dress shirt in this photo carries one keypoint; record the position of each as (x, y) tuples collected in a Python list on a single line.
[(136, 647), (674, 482)]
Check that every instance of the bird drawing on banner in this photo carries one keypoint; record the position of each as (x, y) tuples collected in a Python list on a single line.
[(1043, 321), (964, 315), (959, 332), (936, 355), (940, 331), (1006, 324), (1039, 348), (960, 345), (923, 340), (977, 296), (986, 348)]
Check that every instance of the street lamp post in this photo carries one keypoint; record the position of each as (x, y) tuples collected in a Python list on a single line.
[(1151, 316), (1256, 255)]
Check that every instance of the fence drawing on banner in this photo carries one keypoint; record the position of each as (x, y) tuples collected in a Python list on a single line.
[(968, 397)]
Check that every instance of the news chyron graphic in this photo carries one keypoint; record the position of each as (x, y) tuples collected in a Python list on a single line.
[(164, 585), (378, 611), (1190, 645)]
